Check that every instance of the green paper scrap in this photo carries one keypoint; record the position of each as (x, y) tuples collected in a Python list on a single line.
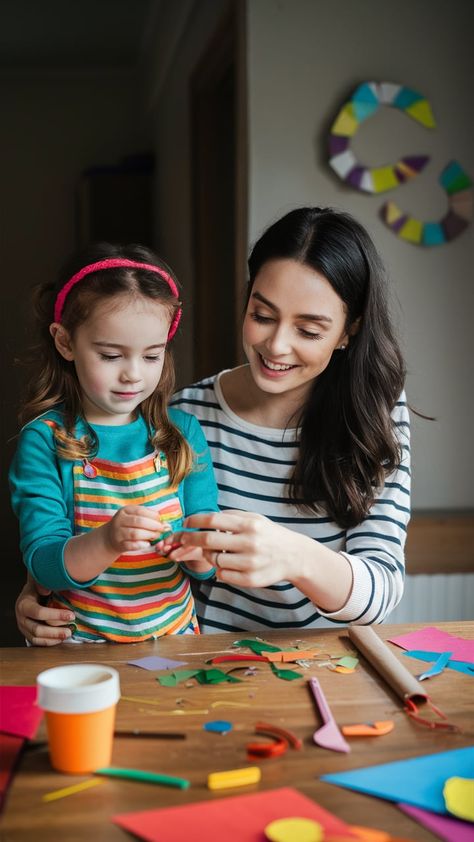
[(203, 676), (171, 679), (257, 646), (215, 676), (348, 662), (286, 675)]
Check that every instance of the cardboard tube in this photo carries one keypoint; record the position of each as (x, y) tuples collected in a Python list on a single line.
[(385, 663)]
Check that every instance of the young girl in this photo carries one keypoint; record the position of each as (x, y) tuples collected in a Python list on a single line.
[(102, 469)]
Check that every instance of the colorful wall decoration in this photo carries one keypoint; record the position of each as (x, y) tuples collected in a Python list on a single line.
[(364, 102)]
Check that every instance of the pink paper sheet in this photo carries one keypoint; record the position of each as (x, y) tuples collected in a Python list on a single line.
[(19, 714), (432, 639), (240, 818)]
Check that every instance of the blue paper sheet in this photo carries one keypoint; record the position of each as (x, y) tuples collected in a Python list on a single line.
[(459, 666), (418, 781)]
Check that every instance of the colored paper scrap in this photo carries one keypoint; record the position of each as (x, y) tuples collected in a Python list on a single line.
[(418, 781), (19, 714), (218, 726), (294, 830), (437, 667), (435, 640), (239, 818), (459, 798), (171, 679), (286, 675), (459, 666), (153, 662), (368, 729), (348, 661), (447, 828), (10, 750), (202, 676)]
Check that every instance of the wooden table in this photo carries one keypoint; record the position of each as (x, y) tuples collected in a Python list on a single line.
[(360, 697)]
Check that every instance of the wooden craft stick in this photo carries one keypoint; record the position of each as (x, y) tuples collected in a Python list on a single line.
[(385, 663)]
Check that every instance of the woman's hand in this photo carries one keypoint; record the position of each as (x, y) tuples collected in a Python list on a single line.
[(40, 625), (250, 551), (247, 550)]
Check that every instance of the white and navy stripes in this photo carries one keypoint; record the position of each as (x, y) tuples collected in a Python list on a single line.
[(252, 465)]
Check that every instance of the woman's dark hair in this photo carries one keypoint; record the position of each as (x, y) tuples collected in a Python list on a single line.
[(348, 442), (54, 379)]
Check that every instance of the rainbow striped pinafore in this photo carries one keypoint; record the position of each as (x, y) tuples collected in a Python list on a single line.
[(142, 594)]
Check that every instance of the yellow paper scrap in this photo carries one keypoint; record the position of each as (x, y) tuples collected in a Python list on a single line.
[(71, 790), (346, 123), (384, 178), (412, 230), (421, 111), (344, 670), (459, 797), (294, 830)]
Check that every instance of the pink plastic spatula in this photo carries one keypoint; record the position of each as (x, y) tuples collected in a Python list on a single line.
[(328, 735)]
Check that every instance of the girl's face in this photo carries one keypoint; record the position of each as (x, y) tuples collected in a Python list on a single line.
[(293, 323), (118, 354)]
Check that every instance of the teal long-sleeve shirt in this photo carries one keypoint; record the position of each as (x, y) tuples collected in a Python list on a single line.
[(42, 492)]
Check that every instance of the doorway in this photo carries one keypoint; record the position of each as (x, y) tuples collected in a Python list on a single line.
[(219, 197)]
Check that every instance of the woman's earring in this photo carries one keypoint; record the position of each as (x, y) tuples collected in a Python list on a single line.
[(341, 348)]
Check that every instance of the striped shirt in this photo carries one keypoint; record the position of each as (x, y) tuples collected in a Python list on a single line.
[(252, 465)]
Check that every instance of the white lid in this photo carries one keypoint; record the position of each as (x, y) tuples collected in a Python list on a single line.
[(78, 688)]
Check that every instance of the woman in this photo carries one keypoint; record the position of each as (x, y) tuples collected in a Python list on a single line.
[(309, 443)]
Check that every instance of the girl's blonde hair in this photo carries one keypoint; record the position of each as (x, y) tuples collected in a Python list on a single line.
[(53, 380)]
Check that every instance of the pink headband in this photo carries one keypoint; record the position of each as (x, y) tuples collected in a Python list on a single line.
[(114, 263)]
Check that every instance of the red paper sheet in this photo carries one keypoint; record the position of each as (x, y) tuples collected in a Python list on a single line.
[(240, 818), (19, 714), (10, 748)]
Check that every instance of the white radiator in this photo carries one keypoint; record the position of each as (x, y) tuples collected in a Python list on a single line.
[(428, 598)]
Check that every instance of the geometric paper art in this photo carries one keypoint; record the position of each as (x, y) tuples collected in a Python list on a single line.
[(364, 102), (458, 187)]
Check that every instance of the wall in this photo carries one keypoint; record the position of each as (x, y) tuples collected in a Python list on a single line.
[(304, 59)]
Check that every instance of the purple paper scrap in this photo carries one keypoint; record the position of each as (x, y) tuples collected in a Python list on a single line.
[(446, 827), (153, 662)]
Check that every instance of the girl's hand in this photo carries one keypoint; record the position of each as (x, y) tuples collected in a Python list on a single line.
[(248, 550), (193, 557), (132, 528), (40, 625)]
